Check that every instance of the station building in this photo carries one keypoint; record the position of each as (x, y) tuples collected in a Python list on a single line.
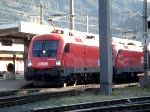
[(14, 43), (7, 55)]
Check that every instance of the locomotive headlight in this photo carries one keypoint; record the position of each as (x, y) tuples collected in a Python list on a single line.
[(58, 62), (29, 63)]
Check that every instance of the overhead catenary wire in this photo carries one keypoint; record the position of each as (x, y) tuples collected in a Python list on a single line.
[(36, 17), (37, 8)]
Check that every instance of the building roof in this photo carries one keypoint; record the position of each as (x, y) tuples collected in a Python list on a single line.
[(22, 30)]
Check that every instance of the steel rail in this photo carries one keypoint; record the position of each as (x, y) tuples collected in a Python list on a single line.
[(98, 105), (35, 97), (17, 92), (41, 96), (32, 90), (118, 108)]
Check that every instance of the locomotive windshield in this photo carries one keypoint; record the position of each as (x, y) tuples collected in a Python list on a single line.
[(46, 48)]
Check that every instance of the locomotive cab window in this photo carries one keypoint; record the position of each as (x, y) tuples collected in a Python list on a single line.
[(66, 49), (46, 48)]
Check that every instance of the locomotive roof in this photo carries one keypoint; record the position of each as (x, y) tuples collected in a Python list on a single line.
[(126, 41), (72, 37), (88, 38), (126, 44)]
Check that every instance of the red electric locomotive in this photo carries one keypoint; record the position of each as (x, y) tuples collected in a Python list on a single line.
[(128, 60), (59, 58)]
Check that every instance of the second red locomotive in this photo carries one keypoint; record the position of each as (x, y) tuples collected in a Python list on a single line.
[(59, 58)]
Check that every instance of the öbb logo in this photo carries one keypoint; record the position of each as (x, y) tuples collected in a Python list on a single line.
[(43, 64)]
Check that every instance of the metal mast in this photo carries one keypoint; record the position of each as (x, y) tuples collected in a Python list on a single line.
[(145, 36), (87, 24), (41, 13), (71, 14), (105, 46)]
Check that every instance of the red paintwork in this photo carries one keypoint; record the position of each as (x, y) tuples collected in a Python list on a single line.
[(129, 56), (51, 61), (129, 59), (81, 54), (85, 53)]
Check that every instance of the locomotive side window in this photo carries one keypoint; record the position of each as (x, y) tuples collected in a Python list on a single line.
[(46, 48), (66, 49)]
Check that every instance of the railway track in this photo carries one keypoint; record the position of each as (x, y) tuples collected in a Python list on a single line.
[(17, 92), (19, 97), (39, 96), (33, 90), (98, 85), (138, 104), (40, 90)]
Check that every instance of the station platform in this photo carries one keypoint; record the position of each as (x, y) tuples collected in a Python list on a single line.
[(12, 84)]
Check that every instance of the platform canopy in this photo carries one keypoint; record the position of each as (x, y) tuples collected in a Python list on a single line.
[(22, 30)]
